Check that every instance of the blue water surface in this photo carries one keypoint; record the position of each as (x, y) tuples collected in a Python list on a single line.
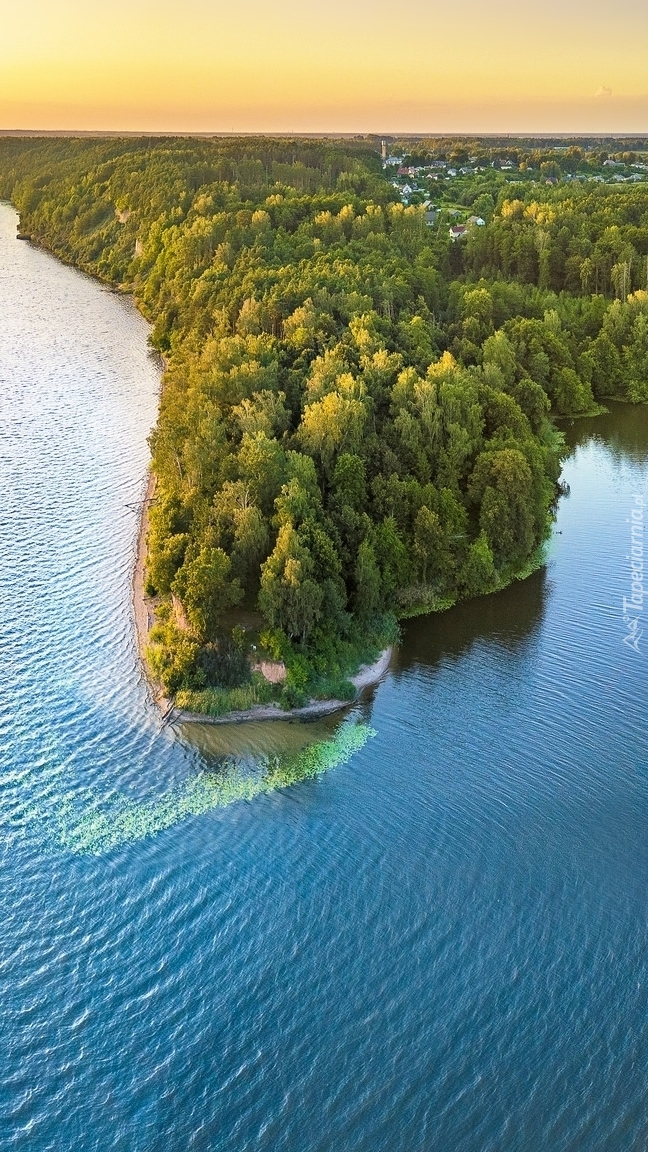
[(437, 943)]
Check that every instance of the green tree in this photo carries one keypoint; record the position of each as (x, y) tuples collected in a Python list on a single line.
[(502, 485), (349, 481), (367, 583), (636, 359), (204, 587), (428, 539), (289, 597)]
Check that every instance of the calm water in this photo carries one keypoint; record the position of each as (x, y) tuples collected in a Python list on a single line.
[(439, 943)]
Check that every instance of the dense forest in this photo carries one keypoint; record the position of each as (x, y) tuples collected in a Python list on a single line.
[(355, 420)]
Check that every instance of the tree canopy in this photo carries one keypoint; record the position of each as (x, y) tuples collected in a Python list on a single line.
[(355, 416)]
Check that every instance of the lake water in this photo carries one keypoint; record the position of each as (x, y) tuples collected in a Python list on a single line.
[(436, 941)]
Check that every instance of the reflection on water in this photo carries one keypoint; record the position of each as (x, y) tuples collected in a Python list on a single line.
[(622, 432), (509, 619)]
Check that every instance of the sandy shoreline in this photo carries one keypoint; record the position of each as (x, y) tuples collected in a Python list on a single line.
[(142, 608), (366, 676)]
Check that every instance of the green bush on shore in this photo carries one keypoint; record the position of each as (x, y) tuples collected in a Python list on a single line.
[(220, 701)]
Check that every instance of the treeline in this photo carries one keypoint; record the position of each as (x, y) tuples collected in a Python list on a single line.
[(346, 433)]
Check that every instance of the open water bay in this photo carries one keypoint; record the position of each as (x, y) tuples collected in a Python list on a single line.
[(421, 926)]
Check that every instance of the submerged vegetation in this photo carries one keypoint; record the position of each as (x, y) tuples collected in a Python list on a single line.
[(89, 828), (355, 417)]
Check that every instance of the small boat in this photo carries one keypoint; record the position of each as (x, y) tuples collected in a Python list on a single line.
[(22, 236)]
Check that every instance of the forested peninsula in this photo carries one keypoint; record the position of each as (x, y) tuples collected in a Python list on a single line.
[(364, 358)]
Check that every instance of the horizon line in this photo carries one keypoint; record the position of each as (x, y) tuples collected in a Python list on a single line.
[(110, 133)]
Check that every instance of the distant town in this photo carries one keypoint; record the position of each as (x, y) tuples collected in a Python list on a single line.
[(459, 191)]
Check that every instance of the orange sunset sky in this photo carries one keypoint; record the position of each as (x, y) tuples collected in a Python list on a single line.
[(343, 66)]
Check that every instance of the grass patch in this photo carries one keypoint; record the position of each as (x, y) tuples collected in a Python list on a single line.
[(419, 600), (220, 701)]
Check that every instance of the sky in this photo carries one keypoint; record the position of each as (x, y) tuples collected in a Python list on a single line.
[(341, 66)]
